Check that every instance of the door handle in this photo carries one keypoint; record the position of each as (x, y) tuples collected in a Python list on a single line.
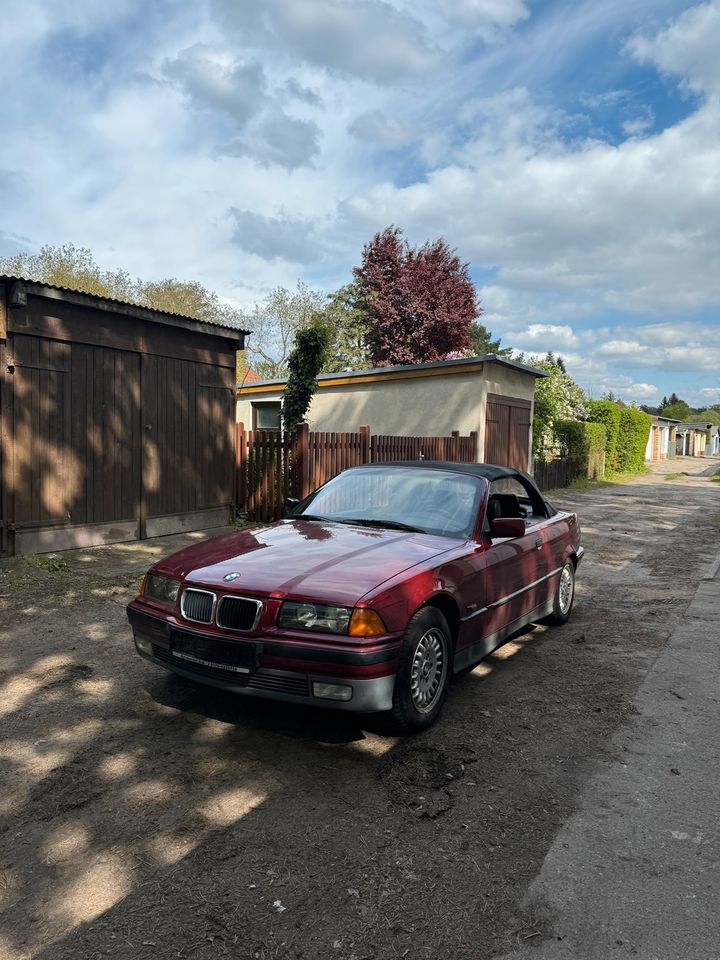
[(538, 542)]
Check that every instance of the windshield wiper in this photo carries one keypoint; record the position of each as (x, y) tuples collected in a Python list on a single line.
[(390, 524), (306, 516)]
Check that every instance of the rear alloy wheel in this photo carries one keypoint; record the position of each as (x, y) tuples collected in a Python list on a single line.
[(423, 672), (564, 595)]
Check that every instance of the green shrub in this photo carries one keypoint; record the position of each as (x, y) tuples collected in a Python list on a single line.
[(583, 441), (632, 439), (608, 414)]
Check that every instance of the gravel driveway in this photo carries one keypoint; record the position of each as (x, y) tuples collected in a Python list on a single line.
[(143, 816)]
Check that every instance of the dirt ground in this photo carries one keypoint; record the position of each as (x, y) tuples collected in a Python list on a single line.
[(142, 816)]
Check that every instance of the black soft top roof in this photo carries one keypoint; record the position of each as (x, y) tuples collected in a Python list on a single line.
[(487, 470)]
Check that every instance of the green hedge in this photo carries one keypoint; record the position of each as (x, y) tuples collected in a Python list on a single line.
[(585, 442), (632, 440), (608, 414)]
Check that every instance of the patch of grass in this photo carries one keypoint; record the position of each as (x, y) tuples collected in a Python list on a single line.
[(585, 483), (715, 479), (46, 561), (676, 476), (614, 476)]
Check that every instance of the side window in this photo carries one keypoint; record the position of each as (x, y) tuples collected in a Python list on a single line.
[(266, 415), (510, 497)]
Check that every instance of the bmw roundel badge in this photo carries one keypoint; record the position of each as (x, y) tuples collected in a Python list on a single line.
[(229, 577)]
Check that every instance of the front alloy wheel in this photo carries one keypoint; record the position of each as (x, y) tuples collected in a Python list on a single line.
[(423, 672)]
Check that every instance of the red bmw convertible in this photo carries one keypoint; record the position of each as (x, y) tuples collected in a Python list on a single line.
[(371, 594)]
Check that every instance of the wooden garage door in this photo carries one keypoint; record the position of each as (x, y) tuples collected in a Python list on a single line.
[(188, 444), (111, 445), (655, 454), (76, 451), (507, 431)]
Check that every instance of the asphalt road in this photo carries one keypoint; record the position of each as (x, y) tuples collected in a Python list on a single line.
[(145, 817)]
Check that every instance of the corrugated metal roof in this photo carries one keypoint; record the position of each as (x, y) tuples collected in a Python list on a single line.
[(121, 304)]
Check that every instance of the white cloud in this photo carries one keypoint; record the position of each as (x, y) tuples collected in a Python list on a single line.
[(237, 88), (684, 346), (688, 48), (543, 336), (370, 39), (638, 125), (273, 238), (486, 18), (283, 140), (375, 129)]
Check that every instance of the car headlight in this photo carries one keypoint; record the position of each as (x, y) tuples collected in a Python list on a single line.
[(161, 589), (322, 617)]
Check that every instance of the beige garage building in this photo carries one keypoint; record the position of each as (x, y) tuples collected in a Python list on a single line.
[(490, 395)]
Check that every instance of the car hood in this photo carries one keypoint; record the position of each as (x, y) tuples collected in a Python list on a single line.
[(315, 560)]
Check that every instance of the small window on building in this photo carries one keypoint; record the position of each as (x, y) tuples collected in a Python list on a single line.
[(266, 415)]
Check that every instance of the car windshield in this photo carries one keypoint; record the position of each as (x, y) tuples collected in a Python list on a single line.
[(431, 501)]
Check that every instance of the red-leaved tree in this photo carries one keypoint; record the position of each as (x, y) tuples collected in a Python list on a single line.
[(420, 301)]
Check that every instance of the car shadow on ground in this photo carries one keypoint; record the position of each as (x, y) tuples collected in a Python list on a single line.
[(302, 722)]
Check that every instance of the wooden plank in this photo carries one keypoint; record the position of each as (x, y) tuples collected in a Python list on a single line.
[(182, 522), (68, 537)]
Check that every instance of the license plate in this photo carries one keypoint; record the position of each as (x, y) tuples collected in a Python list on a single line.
[(221, 654)]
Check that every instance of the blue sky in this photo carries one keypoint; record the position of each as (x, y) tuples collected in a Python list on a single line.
[(570, 151)]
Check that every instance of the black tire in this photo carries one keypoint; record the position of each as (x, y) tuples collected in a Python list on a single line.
[(423, 674), (563, 602)]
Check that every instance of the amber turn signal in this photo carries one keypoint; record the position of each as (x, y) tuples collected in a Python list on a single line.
[(142, 585), (365, 623)]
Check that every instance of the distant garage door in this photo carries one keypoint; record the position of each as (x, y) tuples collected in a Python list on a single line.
[(507, 431)]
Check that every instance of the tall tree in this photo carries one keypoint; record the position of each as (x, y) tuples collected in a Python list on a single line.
[(708, 415), (275, 323), (75, 268), (557, 397), (676, 409), (347, 321), (420, 301), (482, 343)]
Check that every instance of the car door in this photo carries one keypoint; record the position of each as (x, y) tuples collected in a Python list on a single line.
[(514, 572)]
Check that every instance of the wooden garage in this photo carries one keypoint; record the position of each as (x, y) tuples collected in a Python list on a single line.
[(116, 421), (491, 396)]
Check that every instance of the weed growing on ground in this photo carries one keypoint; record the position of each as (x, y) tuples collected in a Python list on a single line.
[(677, 476), (46, 561)]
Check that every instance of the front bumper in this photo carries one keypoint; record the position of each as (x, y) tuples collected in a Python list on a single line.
[(370, 694)]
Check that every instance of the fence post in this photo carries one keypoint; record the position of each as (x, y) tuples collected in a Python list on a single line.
[(240, 464), (301, 461), (455, 445), (364, 443), (474, 443)]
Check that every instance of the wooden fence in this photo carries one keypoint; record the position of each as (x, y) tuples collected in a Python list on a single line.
[(272, 466), (558, 473)]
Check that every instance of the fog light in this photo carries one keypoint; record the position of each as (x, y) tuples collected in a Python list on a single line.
[(144, 645), (332, 691)]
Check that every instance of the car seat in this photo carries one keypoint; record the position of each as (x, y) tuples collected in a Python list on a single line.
[(503, 505)]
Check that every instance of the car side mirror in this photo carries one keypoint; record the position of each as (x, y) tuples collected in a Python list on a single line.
[(290, 504), (507, 528)]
